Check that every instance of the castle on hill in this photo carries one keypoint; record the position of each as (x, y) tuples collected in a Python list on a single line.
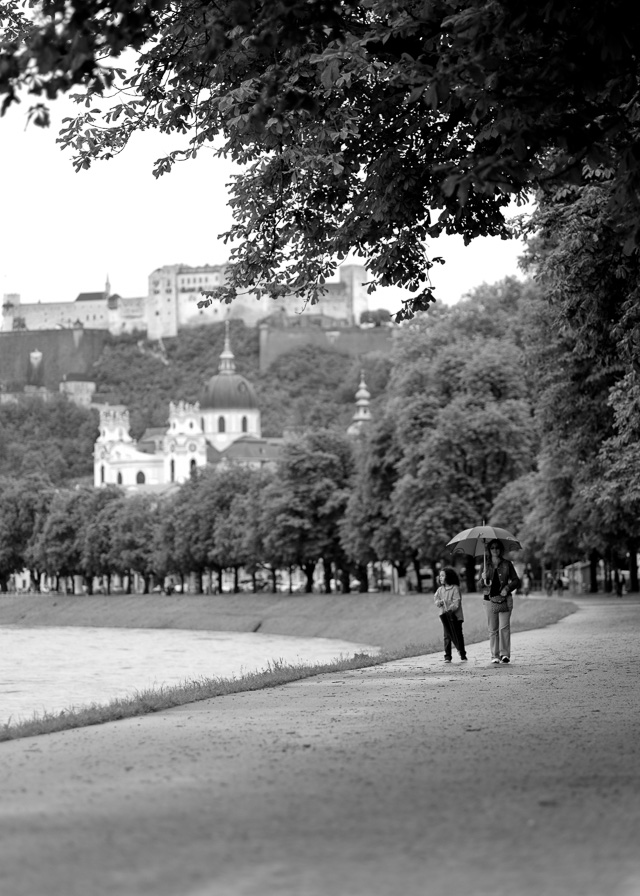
[(171, 304)]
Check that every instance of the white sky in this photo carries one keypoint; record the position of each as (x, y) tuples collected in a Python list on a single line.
[(61, 233)]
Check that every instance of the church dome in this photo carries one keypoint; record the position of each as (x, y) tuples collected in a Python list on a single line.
[(228, 390)]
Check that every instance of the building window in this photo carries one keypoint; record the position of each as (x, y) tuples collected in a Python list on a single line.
[(192, 466), (102, 474), (140, 478), (221, 427), (202, 423), (245, 425), (119, 479), (173, 471)]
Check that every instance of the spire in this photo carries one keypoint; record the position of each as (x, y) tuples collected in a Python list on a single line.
[(362, 414), (227, 361), (107, 288)]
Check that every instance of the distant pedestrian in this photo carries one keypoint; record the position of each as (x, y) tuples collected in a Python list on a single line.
[(500, 580), (618, 582), (448, 600), (526, 583), (548, 584)]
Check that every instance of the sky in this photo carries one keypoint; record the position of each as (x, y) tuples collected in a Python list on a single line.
[(62, 232)]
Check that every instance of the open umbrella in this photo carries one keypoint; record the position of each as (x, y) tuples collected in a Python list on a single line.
[(474, 541)]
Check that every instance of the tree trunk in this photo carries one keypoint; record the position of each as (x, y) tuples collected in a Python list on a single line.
[(470, 574), (326, 568), (198, 581), (608, 584), (345, 580), (363, 577), (593, 572), (632, 545), (236, 584), (274, 580), (88, 581), (401, 569), (416, 566), (308, 569)]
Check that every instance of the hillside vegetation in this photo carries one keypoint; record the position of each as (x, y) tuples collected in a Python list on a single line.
[(307, 387)]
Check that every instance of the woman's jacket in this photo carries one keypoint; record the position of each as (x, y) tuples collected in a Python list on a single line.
[(507, 576)]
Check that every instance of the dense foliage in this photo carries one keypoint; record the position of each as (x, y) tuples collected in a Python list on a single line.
[(371, 125), (306, 387), (54, 437), (585, 350), (510, 407), (330, 499)]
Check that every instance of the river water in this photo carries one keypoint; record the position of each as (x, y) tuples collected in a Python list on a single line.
[(50, 669)]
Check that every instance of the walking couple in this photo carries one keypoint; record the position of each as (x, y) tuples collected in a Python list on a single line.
[(499, 582)]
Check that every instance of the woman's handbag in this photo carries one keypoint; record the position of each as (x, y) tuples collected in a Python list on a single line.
[(500, 603)]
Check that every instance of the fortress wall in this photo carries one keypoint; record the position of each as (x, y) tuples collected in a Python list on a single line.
[(63, 352), (350, 341), (47, 315)]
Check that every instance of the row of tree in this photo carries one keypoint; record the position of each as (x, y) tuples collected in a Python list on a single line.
[(227, 518), (502, 408)]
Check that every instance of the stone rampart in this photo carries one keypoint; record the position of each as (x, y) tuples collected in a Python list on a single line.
[(63, 352), (352, 341)]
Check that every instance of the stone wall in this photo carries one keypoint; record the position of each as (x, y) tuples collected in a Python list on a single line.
[(352, 341), (63, 352)]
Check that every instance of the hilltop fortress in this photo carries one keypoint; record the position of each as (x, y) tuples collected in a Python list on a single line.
[(47, 346), (171, 304)]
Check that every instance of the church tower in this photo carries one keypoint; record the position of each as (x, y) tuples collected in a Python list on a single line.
[(229, 405), (184, 446), (362, 415)]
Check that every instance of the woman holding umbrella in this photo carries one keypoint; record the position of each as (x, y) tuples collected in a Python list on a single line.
[(500, 580)]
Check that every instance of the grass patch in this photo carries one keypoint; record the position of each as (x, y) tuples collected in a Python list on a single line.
[(157, 699), (529, 614)]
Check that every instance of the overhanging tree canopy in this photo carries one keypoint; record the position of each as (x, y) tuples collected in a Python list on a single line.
[(366, 125)]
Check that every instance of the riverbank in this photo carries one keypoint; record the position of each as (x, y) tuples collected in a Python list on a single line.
[(378, 781), (398, 625), (390, 621)]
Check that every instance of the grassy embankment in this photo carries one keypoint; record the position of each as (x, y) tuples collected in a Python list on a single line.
[(400, 626)]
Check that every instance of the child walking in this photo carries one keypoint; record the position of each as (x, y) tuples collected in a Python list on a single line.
[(448, 600)]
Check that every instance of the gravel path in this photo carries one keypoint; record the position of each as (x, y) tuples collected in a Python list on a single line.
[(409, 778)]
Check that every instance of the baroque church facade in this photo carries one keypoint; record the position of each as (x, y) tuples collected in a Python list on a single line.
[(223, 427)]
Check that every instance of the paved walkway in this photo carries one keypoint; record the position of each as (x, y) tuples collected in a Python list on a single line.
[(410, 778)]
